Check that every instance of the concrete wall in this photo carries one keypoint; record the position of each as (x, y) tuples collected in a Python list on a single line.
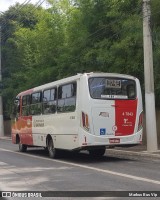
[(7, 128)]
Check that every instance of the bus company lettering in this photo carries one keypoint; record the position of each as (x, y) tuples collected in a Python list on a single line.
[(127, 123), (104, 114), (38, 123)]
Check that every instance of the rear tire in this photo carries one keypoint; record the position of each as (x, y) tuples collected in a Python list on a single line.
[(22, 147), (97, 152), (53, 153)]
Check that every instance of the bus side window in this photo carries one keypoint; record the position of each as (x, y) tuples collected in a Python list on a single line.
[(36, 107), (49, 101), (25, 105), (67, 97), (131, 91)]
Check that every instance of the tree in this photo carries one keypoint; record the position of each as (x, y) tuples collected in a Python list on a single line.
[(15, 18), (73, 36)]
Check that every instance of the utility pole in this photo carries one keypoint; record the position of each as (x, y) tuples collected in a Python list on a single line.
[(151, 129), (1, 103)]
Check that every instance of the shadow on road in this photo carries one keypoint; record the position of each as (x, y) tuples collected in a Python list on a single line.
[(82, 157)]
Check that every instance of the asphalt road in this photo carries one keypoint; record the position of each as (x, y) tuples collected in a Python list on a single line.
[(35, 171)]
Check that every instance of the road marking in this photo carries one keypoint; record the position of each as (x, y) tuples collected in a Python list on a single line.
[(3, 163), (91, 168)]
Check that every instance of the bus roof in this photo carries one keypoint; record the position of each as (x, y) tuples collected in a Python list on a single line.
[(73, 78)]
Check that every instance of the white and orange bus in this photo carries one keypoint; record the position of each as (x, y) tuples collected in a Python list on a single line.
[(89, 111)]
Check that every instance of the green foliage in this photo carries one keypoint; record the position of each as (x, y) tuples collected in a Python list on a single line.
[(74, 36)]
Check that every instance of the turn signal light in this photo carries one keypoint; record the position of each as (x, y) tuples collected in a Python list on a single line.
[(85, 121), (140, 122)]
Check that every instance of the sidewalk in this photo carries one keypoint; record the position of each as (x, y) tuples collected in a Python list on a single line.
[(5, 138), (137, 152)]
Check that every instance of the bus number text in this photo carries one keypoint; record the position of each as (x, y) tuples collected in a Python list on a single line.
[(127, 113)]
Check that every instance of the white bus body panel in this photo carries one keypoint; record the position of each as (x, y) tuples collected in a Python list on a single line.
[(66, 129)]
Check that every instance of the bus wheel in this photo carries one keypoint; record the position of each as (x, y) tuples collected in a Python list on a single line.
[(22, 147), (45, 149), (97, 152), (52, 151)]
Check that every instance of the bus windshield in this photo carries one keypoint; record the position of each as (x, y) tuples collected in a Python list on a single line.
[(112, 88)]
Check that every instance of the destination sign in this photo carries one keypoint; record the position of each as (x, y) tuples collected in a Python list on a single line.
[(113, 83)]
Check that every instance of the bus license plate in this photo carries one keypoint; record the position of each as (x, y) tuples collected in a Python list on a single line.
[(114, 141)]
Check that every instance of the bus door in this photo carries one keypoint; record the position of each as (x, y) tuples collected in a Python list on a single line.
[(114, 113), (15, 119), (26, 121)]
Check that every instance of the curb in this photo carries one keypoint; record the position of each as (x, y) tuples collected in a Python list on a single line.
[(134, 154)]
